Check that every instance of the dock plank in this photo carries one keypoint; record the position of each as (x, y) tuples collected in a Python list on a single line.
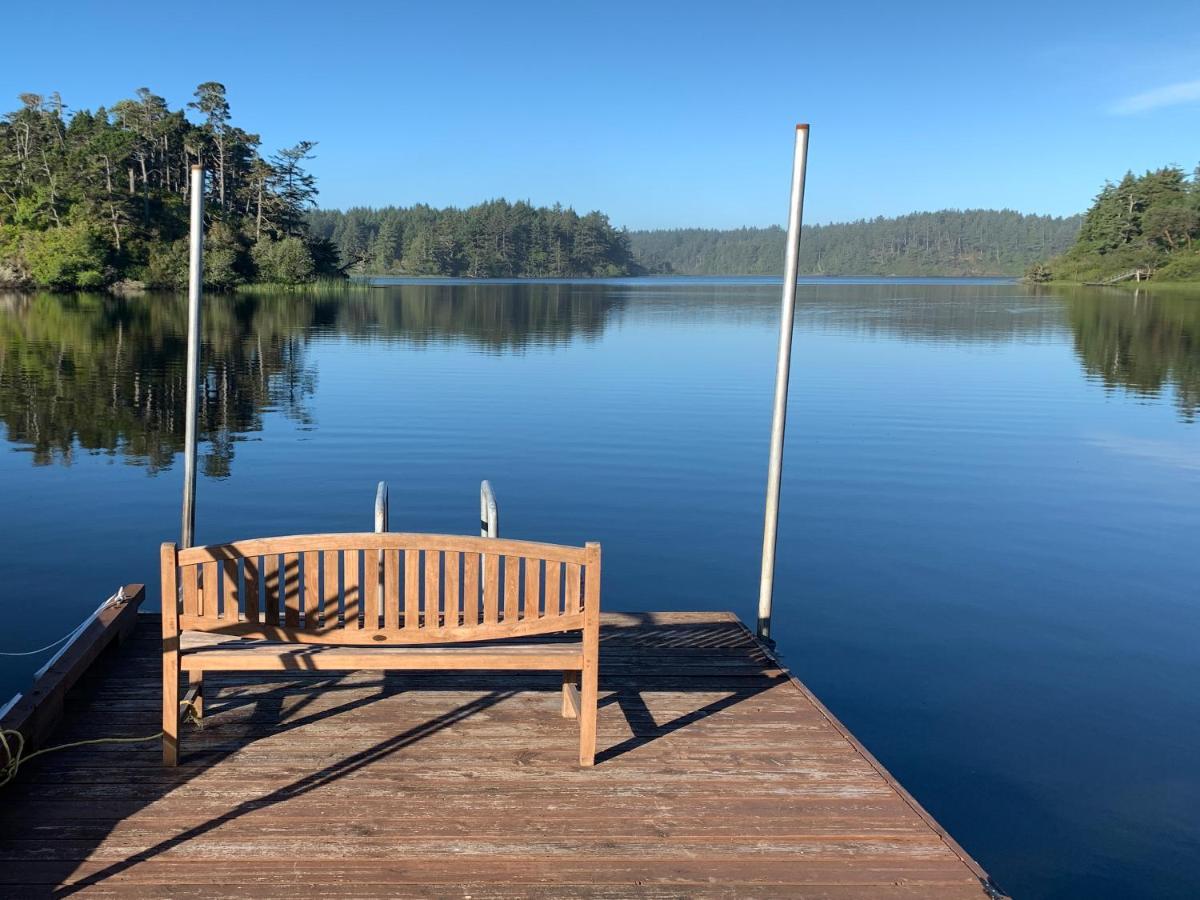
[(718, 774)]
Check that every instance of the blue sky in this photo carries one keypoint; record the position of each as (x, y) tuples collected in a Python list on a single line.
[(661, 114)]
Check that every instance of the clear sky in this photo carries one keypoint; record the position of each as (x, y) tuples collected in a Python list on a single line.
[(660, 114)]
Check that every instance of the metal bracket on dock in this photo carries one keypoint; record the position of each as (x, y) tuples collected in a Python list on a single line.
[(381, 508), (489, 513)]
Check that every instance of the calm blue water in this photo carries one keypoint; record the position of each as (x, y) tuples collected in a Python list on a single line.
[(988, 550)]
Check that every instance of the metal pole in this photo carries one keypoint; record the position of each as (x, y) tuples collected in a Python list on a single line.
[(766, 583), (381, 508), (381, 525), (489, 514), (195, 285)]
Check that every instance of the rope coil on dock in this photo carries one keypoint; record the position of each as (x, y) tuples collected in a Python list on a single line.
[(12, 743)]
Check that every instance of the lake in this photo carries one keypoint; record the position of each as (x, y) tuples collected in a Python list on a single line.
[(988, 548)]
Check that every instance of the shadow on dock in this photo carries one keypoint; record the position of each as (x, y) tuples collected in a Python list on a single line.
[(716, 774)]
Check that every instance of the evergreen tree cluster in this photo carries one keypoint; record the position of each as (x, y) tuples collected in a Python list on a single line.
[(948, 242), (1149, 223), (91, 198), (496, 239)]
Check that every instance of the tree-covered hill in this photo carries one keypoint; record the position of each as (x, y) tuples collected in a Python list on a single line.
[(496, 239), (1148, 223), (94, 197), (949, 242)]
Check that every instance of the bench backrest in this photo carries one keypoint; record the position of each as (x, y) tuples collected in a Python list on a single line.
[(380, 588)]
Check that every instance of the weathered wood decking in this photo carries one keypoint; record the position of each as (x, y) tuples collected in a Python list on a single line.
[(717, 774)]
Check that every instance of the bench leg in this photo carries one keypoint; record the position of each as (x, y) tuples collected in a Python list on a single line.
[(170, 710), (587, 710), (196, 679), (570, 695)]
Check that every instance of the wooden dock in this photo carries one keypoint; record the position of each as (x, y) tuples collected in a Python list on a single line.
[(718, 774)]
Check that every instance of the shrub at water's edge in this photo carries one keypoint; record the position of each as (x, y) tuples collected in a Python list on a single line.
[(1148, 224), (100, 198)]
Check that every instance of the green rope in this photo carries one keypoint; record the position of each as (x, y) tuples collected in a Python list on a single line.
[(15, 756)]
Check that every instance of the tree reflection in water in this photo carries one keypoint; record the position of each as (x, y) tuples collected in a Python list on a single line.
[(106, 374)]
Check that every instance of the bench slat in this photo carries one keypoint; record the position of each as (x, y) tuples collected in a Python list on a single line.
[(312, 590), (271, 588), (271, 658), (574, 596), (533, 589), (331, 612), (250, 575), (471, 589), (191, 590), (229, 589), (512, 588), (433, 588), (450, 588), (391, 589), (412, 590), (372, 576), (209, 591), (352, 588), (291, 589), (491, 588), (302, 543), (332, 634), (553, 588)]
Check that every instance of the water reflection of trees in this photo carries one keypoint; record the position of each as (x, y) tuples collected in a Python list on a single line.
[(941, 313), (1142, 343), (494, 316), (106, 374), (946, 313)]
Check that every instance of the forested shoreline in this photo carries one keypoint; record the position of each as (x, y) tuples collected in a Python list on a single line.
[(496, 239), (1148, 224), (502, 239), (973, 242), (91, 199)]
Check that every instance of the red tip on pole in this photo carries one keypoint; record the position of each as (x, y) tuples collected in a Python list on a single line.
[(803, 127)]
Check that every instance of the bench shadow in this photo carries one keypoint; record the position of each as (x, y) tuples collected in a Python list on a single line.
[(300, 786), (645, 730)]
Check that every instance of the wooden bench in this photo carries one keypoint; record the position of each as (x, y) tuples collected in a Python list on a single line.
[(385, 601)]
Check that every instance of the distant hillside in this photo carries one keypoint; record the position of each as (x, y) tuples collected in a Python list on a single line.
[(949, 242)]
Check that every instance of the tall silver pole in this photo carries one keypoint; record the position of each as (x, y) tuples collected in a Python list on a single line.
[(766, 585), (195, 285)]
